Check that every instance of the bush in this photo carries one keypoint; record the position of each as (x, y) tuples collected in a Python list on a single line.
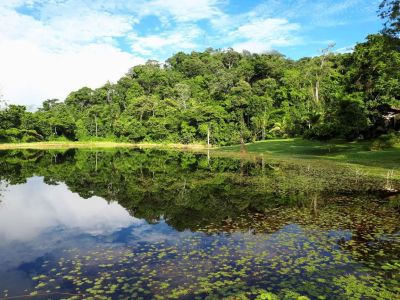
[(13, 135), (386, 141), (322, 132)]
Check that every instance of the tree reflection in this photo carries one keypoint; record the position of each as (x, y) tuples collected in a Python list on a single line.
[(187, 190)]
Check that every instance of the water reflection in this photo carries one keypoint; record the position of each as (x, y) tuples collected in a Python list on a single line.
[(32, 209), (152, 224)]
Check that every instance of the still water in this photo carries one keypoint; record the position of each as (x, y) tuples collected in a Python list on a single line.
[(133, 224)]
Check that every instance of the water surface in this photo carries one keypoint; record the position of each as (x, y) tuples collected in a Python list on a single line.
[(151, 224)]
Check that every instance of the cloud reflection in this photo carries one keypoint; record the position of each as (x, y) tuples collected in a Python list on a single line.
[(34, 208)]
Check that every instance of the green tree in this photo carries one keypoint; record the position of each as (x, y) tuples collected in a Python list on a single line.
[(390, 12)]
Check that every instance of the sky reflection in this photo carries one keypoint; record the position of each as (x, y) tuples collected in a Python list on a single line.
[(32, 209)]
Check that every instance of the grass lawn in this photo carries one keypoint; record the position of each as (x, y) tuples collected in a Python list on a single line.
[(346, 152), (95, 144)]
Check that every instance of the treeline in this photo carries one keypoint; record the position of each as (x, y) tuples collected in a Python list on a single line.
[(229, 97)]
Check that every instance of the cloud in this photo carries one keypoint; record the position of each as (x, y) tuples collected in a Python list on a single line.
[(321, 13), (89, 27), (348, 49), (166, 43), (182, 11), (31, 74), (50, 207), (50, 57), (63, 31), (262, 35)]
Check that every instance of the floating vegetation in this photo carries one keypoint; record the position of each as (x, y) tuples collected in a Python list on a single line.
[(288, 253), (225, 268)]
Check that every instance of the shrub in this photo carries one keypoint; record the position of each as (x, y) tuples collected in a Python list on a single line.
[(386, 141), (323, 132)]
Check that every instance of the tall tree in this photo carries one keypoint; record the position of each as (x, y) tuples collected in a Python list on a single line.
[(390, 12)]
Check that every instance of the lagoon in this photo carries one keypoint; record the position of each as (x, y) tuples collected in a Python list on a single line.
[(152, 224)]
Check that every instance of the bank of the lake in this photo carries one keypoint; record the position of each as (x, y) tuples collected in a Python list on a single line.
[(358, 152), (96, 144)]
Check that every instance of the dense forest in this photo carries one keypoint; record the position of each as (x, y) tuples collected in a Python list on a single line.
[(226, 97)]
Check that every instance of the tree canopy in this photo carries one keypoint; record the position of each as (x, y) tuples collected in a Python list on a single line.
[(390, 12)]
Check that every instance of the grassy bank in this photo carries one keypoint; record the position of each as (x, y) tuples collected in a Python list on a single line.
[(346, 152), (89, 145), (350, 152), (341, 151), (356, 155)]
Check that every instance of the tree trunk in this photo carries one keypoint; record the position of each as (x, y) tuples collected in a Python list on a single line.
[(109, 96), (263, 131), (208, 137), (317, 92), (96, 162), (242, 125), (95, 121)]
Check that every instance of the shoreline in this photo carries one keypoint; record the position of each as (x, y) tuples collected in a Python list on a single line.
[(380, 162), (89, 145)]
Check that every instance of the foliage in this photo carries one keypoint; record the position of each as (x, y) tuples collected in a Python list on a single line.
[(390, 12), (386, 141)]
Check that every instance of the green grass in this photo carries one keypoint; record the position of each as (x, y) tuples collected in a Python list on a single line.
[(346, 152), (96, 144)]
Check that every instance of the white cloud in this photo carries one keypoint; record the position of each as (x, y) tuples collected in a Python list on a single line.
[(263, 34), (182, 38), (252, 46), (267, 28), (321, 13), (182, 11), (90, 27), (48, 208), (31, 74), (348, 49), (49, 58)]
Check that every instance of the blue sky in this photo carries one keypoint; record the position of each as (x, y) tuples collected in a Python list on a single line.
[(50, 47)]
